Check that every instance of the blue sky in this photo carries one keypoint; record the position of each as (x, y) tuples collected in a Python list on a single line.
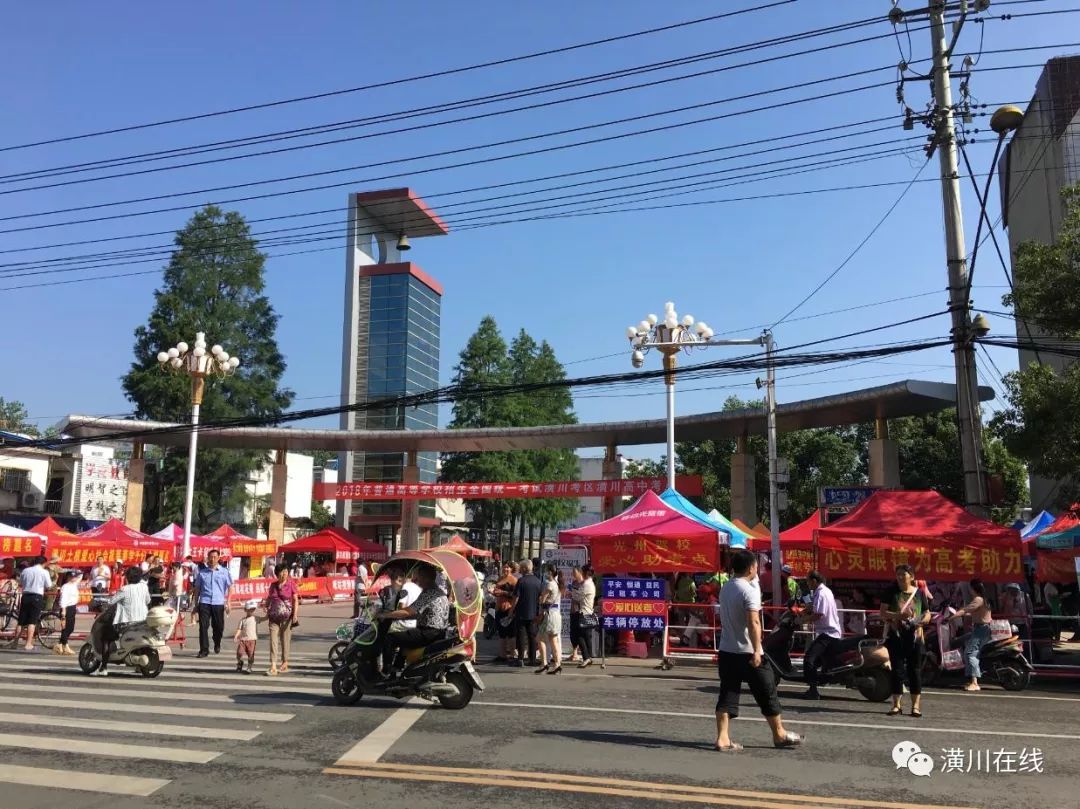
[(578, 282)]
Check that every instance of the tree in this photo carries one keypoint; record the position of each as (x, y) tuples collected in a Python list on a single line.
[(1041, 424), (214, 284), (13, 418)]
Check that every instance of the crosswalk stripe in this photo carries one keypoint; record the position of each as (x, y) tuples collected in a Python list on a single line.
[(264, 684), (199, 673), (187, 731), (91, 690), (164, 710), (95, 748), (82, 781)]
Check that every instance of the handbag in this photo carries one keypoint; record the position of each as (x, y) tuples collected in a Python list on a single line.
[(278, 610), (589, 620)]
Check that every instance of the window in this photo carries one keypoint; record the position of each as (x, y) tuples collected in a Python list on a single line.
[(14, 480)]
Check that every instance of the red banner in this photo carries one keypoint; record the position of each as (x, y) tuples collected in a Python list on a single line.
[(341, 588), (253, 548), (936, 563), (689, 485), (20, 546), (632, 606), (259, 589), (1056, 566), (800, 560), (648, 555)]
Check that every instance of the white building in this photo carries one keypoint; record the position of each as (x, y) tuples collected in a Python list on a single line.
[(24, 476), (591, 509), (298, 488)]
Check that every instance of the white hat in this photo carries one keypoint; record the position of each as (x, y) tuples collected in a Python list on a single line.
[(253, 604)]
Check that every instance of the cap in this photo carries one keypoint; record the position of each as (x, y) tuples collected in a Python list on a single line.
[(786, 569), (251, 605)]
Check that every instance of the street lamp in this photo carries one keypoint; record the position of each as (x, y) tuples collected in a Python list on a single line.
[(668, 336), (199, 365)]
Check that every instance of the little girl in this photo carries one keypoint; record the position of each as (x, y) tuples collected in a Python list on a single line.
[(69, 600), (246, 636)]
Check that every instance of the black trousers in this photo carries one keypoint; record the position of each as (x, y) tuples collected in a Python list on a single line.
[(526, 639), (735, 669), (905, 657), (815, 656), (211, 616), (581, 636), (69, 624)]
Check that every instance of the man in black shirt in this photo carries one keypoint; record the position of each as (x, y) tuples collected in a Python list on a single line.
[(526, 608)]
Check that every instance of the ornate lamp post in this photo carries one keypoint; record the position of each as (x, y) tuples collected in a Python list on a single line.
[(669, 337), (199, 365)]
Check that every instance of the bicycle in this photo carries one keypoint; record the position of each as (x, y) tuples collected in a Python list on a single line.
[(48, 626)]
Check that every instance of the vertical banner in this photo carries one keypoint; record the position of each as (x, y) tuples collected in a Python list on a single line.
[(566, 559)]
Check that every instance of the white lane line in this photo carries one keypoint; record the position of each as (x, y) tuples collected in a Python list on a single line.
[(164, 710), (194, 674), (375, 745), (907, 728), (160, 729), (94, 748), (90, 690), (82, 781), (272, 687)]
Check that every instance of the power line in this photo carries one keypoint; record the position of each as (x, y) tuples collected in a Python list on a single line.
[(396, 82)]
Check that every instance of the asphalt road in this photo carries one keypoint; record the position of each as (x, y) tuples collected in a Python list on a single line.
[(204, 736)]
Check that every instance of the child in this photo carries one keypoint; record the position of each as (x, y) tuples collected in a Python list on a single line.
[(246, 636), (69, 600)]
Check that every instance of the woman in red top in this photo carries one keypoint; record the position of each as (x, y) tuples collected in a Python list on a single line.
[(283, 613)]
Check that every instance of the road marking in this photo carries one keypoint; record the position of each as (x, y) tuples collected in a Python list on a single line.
[(187, 674), (647, 785), (374, 746), (82, 781), (94, 748), (147, 687), (149, 694), (642, 790), (906, 729), (41, 720), (166, 710)]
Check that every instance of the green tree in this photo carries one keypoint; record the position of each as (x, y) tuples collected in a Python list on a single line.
[(1041, 424), (214, 284), (13, 417)]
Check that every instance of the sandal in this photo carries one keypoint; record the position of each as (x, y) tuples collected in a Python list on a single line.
[(895, 710), (284, 668), (271, 672), (789, 740), (916, 714), (734, 747), (542, 669)]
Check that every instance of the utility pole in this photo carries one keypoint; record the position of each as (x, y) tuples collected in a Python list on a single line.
[(774, 471), (944, 140)]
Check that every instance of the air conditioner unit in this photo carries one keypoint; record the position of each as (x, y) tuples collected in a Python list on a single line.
[(32, 501)]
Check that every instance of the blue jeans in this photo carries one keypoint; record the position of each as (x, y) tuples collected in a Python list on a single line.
[(978, 638)]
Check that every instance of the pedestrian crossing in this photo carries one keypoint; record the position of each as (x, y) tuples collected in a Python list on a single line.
[(127, 735)]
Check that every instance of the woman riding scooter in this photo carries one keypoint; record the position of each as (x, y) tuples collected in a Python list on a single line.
[(132, 603), (431, 610)]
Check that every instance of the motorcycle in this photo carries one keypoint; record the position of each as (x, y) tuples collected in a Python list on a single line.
[(856, 662), (141, 646), (1002, 659), (491, 625), (441, 671), (346, 633)]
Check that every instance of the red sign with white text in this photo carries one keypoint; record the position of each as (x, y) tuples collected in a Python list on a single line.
[(689, 485)]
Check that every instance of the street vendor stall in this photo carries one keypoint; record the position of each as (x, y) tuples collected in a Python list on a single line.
[(198, 546), (938, 538), (114, 541), (17, 542), (1056, 555), (340, 545), (460, 546), (242, 545)]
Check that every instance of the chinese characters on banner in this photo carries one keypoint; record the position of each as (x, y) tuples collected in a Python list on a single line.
[(253, 548), (800, 560), (634, 604), (103, 489), (20, 546), (937, 562), (648, 555), (687, 484)]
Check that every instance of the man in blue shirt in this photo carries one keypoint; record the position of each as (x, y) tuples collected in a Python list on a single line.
[(210, 599)]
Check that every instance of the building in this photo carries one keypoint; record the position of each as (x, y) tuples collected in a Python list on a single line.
[(390, 348), (259, 489), (1042, 158), (591, 509)]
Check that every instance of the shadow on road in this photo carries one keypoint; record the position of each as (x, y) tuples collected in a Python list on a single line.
[(626, 739)]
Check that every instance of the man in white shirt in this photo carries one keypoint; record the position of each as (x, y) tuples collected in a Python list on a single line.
[(34, 581), (825, 617), (100, 576), (132, 604)]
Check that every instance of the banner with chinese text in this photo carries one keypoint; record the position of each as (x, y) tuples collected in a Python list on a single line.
[(654, 555), (689, 485), (878, 558)]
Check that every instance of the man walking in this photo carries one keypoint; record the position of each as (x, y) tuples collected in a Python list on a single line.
[(210, 599), (827, 630), (526, 608), (34, 581), (740, 657)]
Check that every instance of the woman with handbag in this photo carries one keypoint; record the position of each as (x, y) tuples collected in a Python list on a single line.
[(583, 620), (550, 619), (905, 611), (283, 614)]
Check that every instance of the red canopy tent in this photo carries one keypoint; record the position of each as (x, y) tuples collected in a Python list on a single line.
[(460, 546), (796, 545), (942, 541), (649, 537), (112, 540), (198, 546), (346, 547), (240, 544)]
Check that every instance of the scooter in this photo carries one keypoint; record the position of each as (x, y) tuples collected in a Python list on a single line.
[(441, 671), (490, 620), (1002, 659), (141, 646), (857, 662), (345, 635)]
